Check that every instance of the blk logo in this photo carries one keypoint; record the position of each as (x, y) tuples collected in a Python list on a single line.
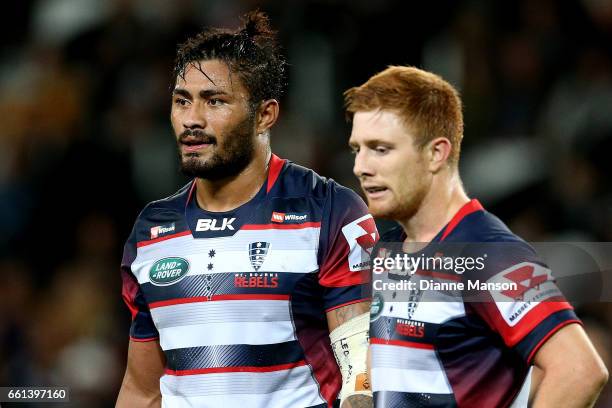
[(207, 224)]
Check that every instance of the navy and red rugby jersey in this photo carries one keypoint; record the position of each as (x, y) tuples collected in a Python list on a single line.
[(238, 299), (445, 347)]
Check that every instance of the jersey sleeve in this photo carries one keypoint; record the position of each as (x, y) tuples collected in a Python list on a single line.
[(142, 327), (348, 235), (522, 302)]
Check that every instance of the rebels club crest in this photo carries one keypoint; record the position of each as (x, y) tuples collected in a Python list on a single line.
[(257, 253)]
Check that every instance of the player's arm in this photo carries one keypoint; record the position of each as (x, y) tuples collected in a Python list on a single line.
[(572, 373), (348, 327), (145, 365), (346, 240)]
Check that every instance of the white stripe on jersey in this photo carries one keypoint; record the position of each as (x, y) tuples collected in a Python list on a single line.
[(286, 388), (293, 250), (405, 369), (237, 382), (227, 311), (426, 311), (213, 334)]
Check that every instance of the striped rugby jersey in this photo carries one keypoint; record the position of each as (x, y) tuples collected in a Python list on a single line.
[(238, 299), (438, 348)]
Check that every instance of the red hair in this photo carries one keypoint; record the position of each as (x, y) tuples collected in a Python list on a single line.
[(429, 106)]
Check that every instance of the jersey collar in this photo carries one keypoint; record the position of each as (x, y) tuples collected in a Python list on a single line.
[(471, 206)]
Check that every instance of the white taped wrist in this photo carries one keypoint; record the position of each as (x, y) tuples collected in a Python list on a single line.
[(350, 343)]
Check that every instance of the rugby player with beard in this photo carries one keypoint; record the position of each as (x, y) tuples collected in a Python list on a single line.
[(248, 287)]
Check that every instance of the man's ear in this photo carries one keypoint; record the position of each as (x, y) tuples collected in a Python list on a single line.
[(267, 114), (439, 152)]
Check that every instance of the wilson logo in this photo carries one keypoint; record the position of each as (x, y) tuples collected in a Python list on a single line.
[(282, 217), (162, 230), (206, 224), (168, 271)]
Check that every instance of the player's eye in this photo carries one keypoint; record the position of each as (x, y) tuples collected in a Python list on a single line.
[(181, 101), (354, 151), (215, 102), (381, 149)]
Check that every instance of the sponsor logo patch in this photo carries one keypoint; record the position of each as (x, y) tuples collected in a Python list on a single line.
[(161, 230), (361, 236), (280, 217), (168, 271), (376, 306), (534, 284), (207, 224), (257, 253)]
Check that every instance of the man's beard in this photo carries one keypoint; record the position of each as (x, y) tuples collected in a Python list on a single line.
[(404, 208), (227, 160)]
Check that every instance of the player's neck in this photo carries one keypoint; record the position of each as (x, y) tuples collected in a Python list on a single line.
[(443, 200), (230, 193)]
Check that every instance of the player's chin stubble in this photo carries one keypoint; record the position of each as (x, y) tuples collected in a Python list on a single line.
[(228, 159)]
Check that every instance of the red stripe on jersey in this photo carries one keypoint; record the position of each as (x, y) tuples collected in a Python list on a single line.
[(243, 369), (276, 165), (129, 291), (191, 190), (144, 340), (342, 276), (402, 343), (545, 338), (513, 335), (472, 206), (281, 226), (153, 241), (179, 301), (352, 302)]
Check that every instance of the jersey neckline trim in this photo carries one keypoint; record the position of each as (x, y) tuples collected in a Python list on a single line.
[(275, 166), (471, 206)]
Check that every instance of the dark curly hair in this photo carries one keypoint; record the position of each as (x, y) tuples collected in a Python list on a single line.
[(250, 51)]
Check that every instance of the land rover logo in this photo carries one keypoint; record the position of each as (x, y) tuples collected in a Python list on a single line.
[(168, 271), (377, 306)]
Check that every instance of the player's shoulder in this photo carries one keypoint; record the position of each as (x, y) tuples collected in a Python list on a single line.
[(300, 181), (483, 226), (173, 203), (161, 217), (484, 231)]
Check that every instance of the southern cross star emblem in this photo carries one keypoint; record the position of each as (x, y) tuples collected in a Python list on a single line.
[(257, 253)]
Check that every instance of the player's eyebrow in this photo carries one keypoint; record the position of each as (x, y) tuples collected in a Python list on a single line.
[(181, 92), (207, 93), (204, 94), (375, 141)]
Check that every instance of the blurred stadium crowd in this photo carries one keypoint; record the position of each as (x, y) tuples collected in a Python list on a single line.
[(85, 140)]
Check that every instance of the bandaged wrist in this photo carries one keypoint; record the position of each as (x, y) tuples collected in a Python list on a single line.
[(349, 342)]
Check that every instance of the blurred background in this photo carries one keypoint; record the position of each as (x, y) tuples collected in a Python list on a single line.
[(85, 140)]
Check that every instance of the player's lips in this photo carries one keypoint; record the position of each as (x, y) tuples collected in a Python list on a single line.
[(374, 191), (193, 143), (188, 148)]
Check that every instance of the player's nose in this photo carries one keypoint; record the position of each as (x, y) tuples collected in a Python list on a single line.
[(194, 118), (361, 167)]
